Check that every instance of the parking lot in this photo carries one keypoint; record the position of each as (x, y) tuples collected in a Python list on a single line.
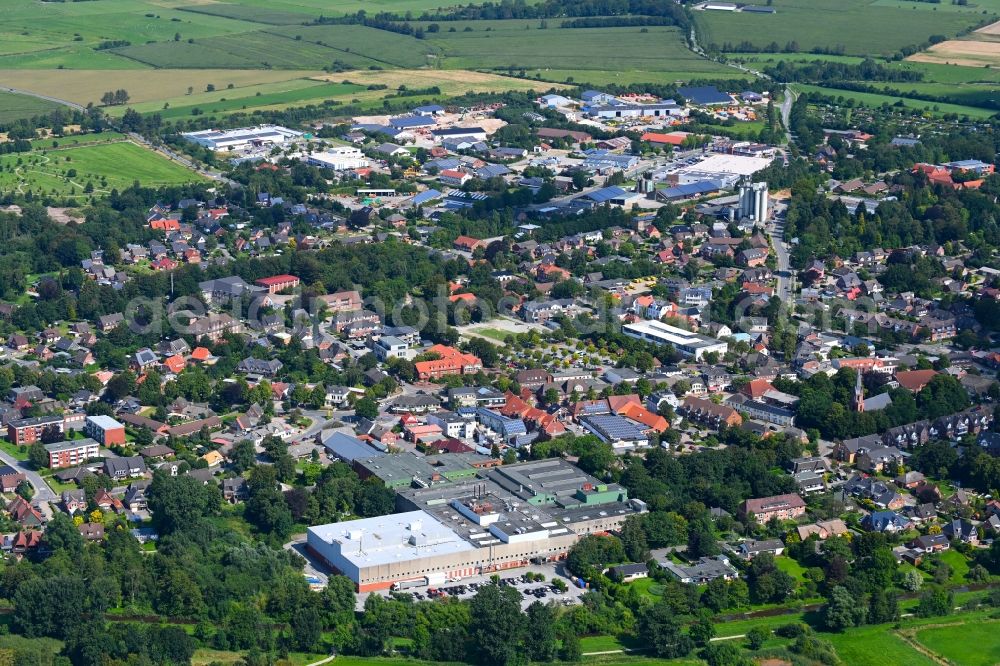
[(467, 587), (317, 573)]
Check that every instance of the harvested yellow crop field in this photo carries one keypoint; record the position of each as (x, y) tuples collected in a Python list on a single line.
[(991, 29), (960, 52), (451, 82)]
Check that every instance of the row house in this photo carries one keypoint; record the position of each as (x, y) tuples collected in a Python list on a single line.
[(709, 413), (352, 323), (215, 326)]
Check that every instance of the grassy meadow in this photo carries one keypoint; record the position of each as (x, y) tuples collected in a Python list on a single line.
[(966, 644), (103, 165)]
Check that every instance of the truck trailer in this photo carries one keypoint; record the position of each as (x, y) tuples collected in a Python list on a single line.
[(437, 578)]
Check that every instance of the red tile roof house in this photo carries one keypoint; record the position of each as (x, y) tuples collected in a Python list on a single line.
[(278, 283), (468, 243), (174, 364), (782, 507), (23, 512)]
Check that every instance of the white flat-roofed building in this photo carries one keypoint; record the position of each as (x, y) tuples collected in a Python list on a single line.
[(463, 525), (719, 166), (243, 137), (620, 110), (339, 158), (374, 552), (687, 343)]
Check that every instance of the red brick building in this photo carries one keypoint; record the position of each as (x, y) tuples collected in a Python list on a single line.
[(105, 430), (277, 283), (29, 431), (451, 362), (71, 453)]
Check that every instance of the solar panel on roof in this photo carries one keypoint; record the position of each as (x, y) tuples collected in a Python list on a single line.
[(429, 195)]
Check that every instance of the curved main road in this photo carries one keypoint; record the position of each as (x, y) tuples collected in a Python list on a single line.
[(56, 100)]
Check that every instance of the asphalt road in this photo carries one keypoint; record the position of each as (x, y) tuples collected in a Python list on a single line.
[(776, 232), (786, 112), (43, 493), (72, 105)]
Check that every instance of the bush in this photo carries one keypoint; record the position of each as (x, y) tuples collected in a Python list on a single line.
[(756, 637), (791, 630)]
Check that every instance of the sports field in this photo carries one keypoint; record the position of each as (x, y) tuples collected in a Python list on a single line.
[(67, 172), (858, 27)]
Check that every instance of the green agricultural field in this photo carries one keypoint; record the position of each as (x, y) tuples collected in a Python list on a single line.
[(312, 94), (223, 94), (381, 46), (251, 14), (106, 166), (768, 59), (964, 644), (604, 49), (597, 78), (873, 99), (340, 7), (860, 27), (937, 73), (288, 47), (68, 57), (983, 95), (251, 50), (16, 107), (51, 34)]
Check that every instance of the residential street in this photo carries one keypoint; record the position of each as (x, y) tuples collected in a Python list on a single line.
[(43, 493)]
